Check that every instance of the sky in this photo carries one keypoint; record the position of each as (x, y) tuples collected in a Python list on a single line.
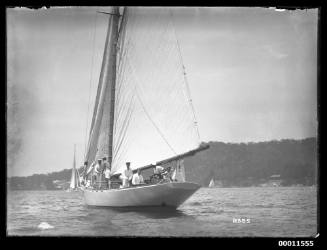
[(252, 73)]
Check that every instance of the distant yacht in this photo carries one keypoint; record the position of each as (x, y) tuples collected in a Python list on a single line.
[(75, 178), (212, 183)]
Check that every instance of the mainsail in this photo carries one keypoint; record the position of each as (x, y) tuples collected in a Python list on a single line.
[(142, 111), (100, 139)]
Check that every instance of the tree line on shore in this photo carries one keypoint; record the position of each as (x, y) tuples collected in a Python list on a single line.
[(287, 162), (293, 162)]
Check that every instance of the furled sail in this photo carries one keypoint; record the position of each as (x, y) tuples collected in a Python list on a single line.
[(142, 92)]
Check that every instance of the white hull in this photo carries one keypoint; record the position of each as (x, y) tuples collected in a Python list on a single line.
[(166, 194)]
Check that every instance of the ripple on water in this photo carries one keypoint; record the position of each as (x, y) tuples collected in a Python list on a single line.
[(195, 203), (274, 212), (23, 230)]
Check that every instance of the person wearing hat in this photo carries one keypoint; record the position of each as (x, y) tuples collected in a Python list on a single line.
[(128, 175)]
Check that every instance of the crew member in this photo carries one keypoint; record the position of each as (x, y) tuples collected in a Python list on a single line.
[(84, 172), (107, 175), (98, 171), (105, 163), (104, 166), (158, 171), (128, 175), (137, 178)]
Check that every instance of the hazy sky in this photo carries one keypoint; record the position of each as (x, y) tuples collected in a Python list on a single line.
[(252, 74)]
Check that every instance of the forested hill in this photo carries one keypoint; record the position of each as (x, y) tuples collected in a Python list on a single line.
[(287, 162), (40, 181)]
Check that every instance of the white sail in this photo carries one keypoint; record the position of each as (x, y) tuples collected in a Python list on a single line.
[(72, 180), (153, 119), (75, 180), (212, 183)]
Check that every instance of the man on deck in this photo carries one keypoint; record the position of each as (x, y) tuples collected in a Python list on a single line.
[(158, 171), (83, 175), (137, 178), (128, 174), (105, 163), (98, 172), (107, 175)]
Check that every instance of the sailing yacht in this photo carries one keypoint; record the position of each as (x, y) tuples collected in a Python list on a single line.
[(75, 178), (212, 183), (128, 107)]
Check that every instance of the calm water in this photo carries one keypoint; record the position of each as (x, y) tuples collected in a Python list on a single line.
[(273, 211)]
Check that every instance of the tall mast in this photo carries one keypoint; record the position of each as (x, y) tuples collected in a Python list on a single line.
[(112, 76), (101, 131)]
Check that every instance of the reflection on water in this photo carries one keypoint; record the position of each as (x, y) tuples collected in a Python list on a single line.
[(275, 212), (152, 212)]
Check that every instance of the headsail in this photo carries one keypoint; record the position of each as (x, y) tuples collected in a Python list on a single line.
[(153, 117), (142, 97)]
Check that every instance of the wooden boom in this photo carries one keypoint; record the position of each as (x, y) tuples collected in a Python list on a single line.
[(174, 158)]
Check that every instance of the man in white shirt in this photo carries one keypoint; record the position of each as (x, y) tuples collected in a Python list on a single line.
[(128, 175), (158, 170), (107, 175), (137, 178), (97, 166)]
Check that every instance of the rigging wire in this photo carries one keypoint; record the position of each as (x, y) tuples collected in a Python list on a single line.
[(149, 58), (185, 78), (90, 84), (148, 115)]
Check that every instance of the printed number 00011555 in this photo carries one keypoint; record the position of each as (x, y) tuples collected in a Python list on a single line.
[(295, 243)]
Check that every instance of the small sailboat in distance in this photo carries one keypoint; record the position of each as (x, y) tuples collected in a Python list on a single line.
[(75, 178), (212, 183)]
